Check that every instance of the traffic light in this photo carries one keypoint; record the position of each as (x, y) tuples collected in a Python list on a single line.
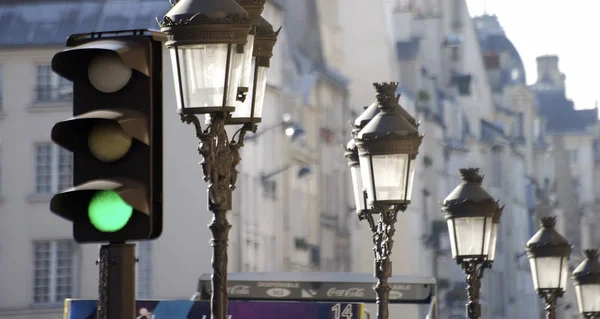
[(115, 135)]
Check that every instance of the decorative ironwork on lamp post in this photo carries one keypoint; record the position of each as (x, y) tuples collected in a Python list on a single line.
[(548, 254), (473, 217), (382, 159), (587, 285), (220, 50)]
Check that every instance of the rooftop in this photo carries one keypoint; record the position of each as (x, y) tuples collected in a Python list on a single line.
[(561, 115)]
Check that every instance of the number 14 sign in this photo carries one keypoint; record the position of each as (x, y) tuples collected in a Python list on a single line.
[(343, 313)]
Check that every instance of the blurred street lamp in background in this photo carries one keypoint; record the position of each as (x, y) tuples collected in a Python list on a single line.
[(548, 254), (473, 217), (382, 163), (587, 285)]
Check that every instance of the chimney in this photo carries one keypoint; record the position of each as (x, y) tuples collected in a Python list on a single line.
[(547, 69)]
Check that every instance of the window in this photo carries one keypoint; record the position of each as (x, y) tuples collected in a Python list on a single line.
[(53, 168), (517, 129), (143, 269), (50, 87), (269, 189), (55, 266), (537, 128)]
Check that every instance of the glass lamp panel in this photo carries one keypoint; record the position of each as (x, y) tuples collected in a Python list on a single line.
[(244, 109), (358, 187), (579, 296), (588, 297), (451, 234), (547, 272), (246, 75), (534, 273), (176, 80), (564, 273), (493, 239), (367, 179), (203, 71), (389, 172), (472, 235), (261, 87), (411, 178)]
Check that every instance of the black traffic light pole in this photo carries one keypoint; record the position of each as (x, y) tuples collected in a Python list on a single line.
[(116, 285)]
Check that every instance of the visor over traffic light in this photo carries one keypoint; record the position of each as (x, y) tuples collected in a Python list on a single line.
[(131, 51)]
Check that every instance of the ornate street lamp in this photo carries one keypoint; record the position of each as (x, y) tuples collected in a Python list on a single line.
[(387, 147), (212, 45), (587, 285), (548, 254), (470, 214)]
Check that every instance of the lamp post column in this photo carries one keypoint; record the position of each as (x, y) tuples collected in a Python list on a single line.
[(383, 241), (550, 299), (473, 270), (220, 156)]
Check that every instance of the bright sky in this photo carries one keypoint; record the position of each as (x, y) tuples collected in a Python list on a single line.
[(567, 28)]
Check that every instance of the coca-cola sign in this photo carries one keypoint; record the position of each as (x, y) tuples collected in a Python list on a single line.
[(239, 290), (395, 294), (348, 293), (321, 289)]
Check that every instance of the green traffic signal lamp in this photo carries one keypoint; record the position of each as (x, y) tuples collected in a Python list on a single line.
[(114, 209), (108, 212), (115, 135)]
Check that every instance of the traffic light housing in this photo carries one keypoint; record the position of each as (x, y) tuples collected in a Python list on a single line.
[(115, 135)]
